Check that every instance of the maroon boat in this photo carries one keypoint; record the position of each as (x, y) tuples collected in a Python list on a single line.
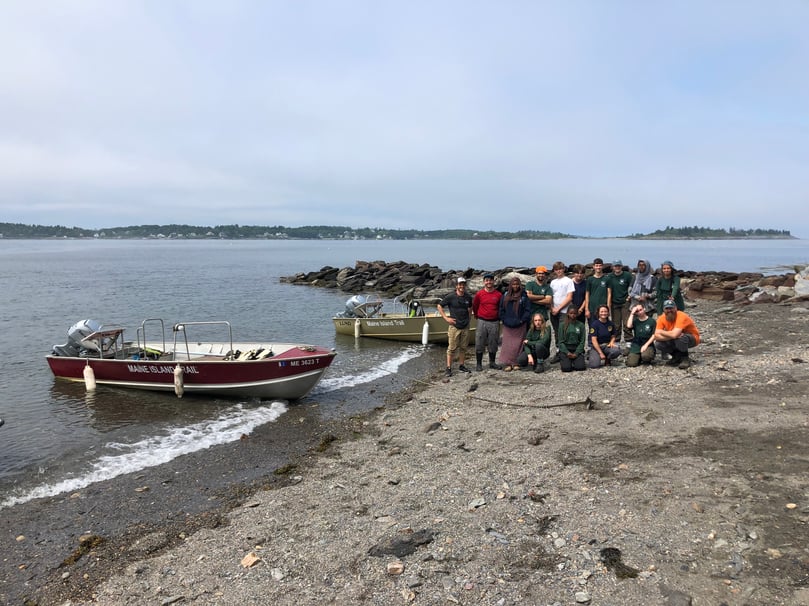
[(98, 355)]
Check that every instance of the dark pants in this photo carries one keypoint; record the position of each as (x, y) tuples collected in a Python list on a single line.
[(567, 364), (555, 324), (540, 353), (678, 346)]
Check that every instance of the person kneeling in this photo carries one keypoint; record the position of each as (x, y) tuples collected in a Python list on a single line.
[(572, 337), (536, 345), (641, 348), (676, 333), (602, 340)]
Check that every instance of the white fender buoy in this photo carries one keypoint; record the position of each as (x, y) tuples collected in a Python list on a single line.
[(425, 332), (89, 378), (357, 328), (179, 389)]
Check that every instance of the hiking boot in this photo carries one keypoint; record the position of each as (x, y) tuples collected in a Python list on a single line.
[(448, 372), (495, 366), (675, 359), (479, 367), (463, 368), (540, 367), (685, 363)]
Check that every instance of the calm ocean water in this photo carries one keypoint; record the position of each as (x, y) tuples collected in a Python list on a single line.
[(58, 438)]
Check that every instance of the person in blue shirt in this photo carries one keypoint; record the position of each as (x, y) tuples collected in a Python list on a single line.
[(603, 336)]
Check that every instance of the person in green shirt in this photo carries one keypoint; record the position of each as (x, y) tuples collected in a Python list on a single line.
[(668, 287), (596, 294), (540, 293), (536, 345), (641, 349), (618, 283), (572, 338)]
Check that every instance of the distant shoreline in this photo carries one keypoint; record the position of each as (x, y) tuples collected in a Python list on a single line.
[(342, 232), (661, 238)]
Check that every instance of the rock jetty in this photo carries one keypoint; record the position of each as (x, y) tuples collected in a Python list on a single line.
[(399, 278)]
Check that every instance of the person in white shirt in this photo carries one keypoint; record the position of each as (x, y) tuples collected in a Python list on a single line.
[(563, 288)]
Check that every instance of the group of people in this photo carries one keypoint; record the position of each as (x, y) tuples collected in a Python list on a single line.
[(585, 318)]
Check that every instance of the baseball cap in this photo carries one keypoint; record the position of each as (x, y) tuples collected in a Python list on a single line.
[(618, 262), (461, 280), (541, 269), (668, 303), (486, 276)]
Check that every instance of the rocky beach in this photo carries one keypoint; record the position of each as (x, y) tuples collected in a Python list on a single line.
[(630, 486)]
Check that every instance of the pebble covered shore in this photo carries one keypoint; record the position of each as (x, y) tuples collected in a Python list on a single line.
[(632, 486)]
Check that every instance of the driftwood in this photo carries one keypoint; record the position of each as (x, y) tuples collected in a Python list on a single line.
[(588, 403)]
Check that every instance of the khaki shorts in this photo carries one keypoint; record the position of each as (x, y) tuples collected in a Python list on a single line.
[(457, 337)]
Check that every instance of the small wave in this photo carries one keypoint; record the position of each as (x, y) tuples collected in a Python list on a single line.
[(157, 450), (383, 369)]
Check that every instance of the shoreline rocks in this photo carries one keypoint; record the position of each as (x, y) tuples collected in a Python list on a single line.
[(398, 278)]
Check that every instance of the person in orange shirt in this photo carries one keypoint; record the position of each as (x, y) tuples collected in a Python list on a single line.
[(675, 334)]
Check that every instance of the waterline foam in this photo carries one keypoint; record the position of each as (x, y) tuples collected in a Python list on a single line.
[(156, 450), (383, 369)]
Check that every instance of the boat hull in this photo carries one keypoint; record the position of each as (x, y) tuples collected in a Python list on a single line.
[(395, 327), (289, 375)]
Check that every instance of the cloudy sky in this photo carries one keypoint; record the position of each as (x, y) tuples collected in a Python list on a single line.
[(587, 117)]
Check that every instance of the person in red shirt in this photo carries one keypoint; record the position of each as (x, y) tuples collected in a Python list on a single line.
[(486, 307), (675, 334)]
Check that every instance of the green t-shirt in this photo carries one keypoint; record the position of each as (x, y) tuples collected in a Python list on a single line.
[(539, 289), (619, 283), (597, 288), (641, 331), (572, 337)]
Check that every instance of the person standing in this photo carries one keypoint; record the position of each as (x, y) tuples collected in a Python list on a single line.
[(642, 291), (596, 294), (668, 288), (618, 283), (603, 336), (675, 334), (641, 348), (540, 293), (536, 345), (572, 337), (459, 305), (486, 307), (580, 291), (563, 289), (515, 312)]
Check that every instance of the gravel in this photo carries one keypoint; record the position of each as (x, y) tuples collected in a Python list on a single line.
[(630, 486)]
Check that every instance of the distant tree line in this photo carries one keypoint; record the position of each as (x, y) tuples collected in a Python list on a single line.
[(233, 232), (340, 232), (710, 233)]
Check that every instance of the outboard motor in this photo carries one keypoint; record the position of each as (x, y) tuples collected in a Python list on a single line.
[(355, 307), (76, 334), (362, 306)]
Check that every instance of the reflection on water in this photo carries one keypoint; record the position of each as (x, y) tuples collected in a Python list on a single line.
[(108, 408)]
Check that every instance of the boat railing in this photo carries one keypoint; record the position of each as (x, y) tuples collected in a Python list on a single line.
[(141, 333), (106, 343), (181, 327)]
